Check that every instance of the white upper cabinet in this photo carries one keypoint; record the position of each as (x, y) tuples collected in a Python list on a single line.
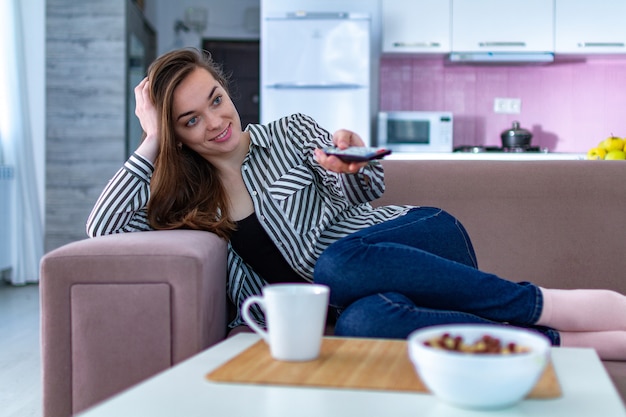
[(590, 26), (416, 26), (503, 25)]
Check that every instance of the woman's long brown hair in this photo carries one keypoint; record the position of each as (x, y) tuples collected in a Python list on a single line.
[(185, 189)]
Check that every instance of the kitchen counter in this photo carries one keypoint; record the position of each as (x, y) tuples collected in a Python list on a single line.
[(488, 156)]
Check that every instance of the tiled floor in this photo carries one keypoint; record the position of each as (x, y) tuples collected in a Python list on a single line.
[(20, 364)]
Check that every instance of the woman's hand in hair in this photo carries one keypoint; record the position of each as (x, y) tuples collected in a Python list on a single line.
[(342, 139), (147, 114)]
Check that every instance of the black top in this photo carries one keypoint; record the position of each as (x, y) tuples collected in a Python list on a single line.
[(255, 247)]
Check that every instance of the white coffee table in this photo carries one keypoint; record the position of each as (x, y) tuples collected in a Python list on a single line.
[(184, 391)]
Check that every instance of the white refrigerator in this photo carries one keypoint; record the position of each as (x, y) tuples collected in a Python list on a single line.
[(317, 64)]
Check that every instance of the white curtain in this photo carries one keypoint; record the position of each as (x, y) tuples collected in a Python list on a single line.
[(17, 142)]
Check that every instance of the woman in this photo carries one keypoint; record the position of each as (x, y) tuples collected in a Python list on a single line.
[(288, 209)]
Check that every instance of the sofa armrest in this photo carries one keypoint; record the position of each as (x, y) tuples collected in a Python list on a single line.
[(117, 309)]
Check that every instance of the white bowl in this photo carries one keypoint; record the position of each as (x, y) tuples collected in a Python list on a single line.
[(479, 381)]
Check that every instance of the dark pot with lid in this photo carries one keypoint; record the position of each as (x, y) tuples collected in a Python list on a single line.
[(516, 137)]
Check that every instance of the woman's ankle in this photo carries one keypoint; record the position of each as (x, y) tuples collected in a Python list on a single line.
[(583, 310)]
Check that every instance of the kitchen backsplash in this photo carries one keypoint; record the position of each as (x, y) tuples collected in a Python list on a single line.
[(568, 106)]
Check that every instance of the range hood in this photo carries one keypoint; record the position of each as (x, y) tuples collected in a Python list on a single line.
[(501, 57)]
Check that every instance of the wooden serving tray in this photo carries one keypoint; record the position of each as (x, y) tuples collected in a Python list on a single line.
[(354, 363)]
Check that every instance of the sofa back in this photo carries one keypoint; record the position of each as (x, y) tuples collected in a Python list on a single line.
[(560, 224)]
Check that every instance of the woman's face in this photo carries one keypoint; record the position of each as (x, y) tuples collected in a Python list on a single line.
[(205, 119)]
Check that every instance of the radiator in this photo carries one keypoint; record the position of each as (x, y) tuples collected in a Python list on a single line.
[(6, 197)]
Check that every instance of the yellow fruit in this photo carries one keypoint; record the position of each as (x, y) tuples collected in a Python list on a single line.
[(596, 153), (615, 155), (613, 143)]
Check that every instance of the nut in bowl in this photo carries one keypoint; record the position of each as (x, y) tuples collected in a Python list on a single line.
[(467, 374)]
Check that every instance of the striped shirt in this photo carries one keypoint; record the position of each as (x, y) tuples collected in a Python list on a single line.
[(302, 206)]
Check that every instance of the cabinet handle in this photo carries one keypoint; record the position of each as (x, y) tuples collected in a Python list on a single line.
[(416, 44), (601, 44), (486, 44)]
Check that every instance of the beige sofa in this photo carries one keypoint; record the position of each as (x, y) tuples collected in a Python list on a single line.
[(118, 309)]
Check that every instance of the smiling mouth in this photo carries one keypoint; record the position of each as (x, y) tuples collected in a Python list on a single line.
[(221, 135)]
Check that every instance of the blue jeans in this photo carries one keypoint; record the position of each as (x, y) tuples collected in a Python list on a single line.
[(415, 271)]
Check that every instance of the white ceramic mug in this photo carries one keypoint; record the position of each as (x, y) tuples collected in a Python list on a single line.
[(295, 315)]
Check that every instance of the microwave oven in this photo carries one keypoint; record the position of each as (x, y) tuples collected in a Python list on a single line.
[(415, 131)]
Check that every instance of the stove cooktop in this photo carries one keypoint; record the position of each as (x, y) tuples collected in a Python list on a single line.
[(514, 149)]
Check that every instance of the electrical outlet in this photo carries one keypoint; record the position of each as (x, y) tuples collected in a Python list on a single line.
[(507, 105)]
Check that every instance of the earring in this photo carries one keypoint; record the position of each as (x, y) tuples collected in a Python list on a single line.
[(179, 146)]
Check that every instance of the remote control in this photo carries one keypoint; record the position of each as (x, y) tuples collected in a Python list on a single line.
[(357, 153)]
